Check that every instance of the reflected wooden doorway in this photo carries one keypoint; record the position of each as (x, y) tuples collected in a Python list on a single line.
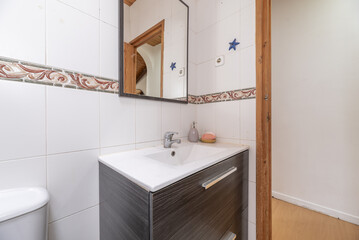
[(134, 64)]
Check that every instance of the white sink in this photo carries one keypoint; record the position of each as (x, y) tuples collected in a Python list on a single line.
[(155, 168), (185, 154)]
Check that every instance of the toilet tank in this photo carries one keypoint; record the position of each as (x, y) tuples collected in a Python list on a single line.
[(23, 214)]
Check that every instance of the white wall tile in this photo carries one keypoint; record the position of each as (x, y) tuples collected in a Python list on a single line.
[(188, 115), (252, 231), (248, 67), (192, 14), (30, 172), (149, 144), (22, 128), (192, 47), (252, 159), (248, 119), (90, 7), (225, 8), (206, 118), (117, 120), (206, 78), (192, 79), (109, 60), (73, 120), (148, 121), (206, 45), (206, 14), (109, 11), (246, 3), (228, 140), (72, 38), (23, 21), (83, 225), (224, 32), (248, 26), (228, 75), (73, 182), (252, 202), (171, 118), (116, 149), (227, 119)]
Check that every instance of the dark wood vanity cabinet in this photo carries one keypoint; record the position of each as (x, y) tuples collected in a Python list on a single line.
[(184, 210)]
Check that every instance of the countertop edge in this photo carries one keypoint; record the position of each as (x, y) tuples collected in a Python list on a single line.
[(176, 179)]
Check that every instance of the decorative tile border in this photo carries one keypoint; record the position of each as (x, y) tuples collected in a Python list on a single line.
[(35, 73), (232, 95)]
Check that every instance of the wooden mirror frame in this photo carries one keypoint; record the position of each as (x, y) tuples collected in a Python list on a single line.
[(122, 93)]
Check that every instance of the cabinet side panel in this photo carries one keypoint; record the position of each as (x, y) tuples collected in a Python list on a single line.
[(124, 209)]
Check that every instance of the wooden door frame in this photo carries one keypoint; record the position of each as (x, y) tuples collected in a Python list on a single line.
[(263, 121)]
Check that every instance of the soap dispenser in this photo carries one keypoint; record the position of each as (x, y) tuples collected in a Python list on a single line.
[(193, 135)]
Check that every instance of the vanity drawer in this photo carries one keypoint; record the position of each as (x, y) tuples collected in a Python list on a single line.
[(239, 228), (187, 210)]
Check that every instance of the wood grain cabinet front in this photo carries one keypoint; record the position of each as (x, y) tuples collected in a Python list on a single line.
[(208, 205)]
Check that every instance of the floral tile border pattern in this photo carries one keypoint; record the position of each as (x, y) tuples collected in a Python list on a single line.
[(27, 72), (34, 73), (232, 95)]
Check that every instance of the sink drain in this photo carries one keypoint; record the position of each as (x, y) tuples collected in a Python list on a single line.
[(173, 153)]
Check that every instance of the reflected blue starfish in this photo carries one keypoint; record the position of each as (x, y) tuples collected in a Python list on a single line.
[(173, 65), (233, 45)]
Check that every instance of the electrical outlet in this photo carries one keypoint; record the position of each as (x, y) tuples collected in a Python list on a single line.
[(219, 61), (181, 72)]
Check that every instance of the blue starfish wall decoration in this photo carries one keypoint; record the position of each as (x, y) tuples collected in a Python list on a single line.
[(233, 45), (173, 65)]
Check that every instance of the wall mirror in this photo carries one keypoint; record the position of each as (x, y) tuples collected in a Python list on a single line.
[(154, 49)]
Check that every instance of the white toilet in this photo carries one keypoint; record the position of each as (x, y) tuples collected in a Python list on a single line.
[(23, 214)]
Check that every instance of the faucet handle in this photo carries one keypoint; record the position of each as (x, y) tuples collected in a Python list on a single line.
[(170, 134)]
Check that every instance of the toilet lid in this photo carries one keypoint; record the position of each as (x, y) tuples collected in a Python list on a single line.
[(19, 201)]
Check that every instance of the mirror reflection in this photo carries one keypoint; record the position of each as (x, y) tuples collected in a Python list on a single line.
[(155, 48)]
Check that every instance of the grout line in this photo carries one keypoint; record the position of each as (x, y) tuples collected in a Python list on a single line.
[(124, 145), (45, 32), (152, 141), (99, 45), (78, 9), (220, 20), (75, 151), (46, 120), (224, 18), (99, 122), (99, 9), (111, 25), (226, 55), (20, 159), (46, 134), (72, 214)]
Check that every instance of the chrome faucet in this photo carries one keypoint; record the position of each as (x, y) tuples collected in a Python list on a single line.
[(167, 142)]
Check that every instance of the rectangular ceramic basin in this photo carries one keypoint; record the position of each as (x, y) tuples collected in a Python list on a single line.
[(157, 167), (185, 154)]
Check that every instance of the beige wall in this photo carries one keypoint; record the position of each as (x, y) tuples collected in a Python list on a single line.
[(315, 105)]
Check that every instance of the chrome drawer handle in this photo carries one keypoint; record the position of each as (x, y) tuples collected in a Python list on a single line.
[(218, 178)]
